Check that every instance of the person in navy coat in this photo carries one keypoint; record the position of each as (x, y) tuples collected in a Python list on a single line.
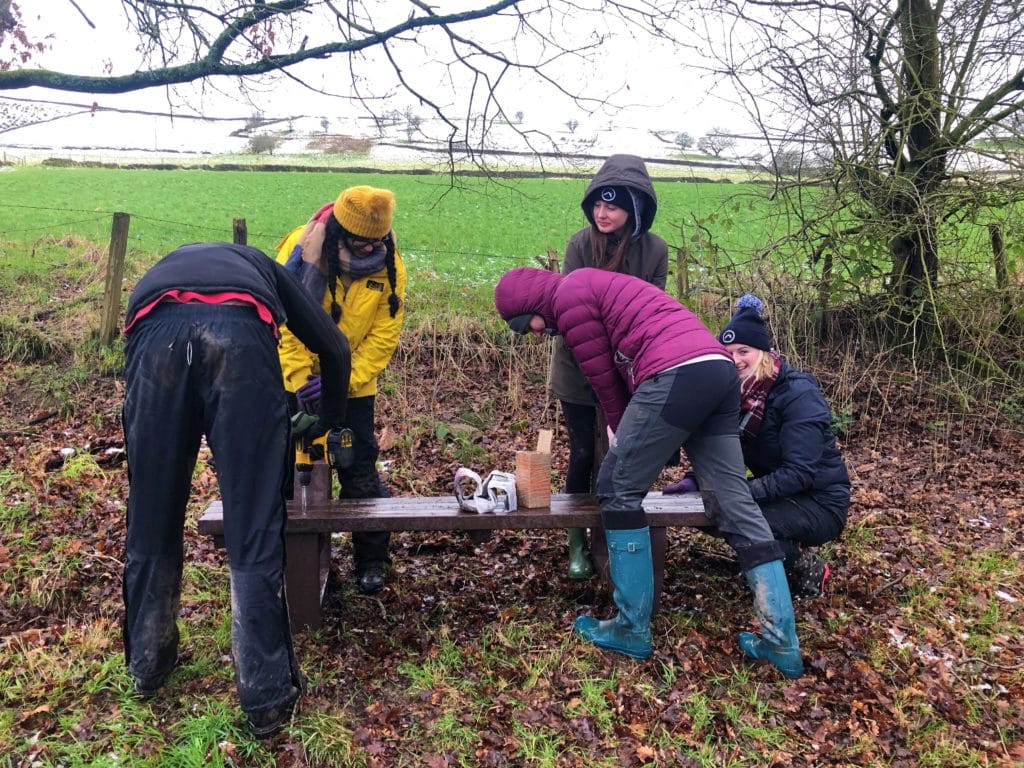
[(799, 479)]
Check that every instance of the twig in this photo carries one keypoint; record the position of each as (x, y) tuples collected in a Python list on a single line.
[(889, 585), (1004, 667), (41, 418), (87, 19)]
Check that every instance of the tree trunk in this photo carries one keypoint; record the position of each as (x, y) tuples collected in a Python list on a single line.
[(915, 258), (919, 168)]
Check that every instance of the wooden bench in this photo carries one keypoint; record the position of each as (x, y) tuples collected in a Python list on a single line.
[(308, 530)]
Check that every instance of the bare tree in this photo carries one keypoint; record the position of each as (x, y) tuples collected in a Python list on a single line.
[(455, 59), (716, 142), (16, 45), (264, 143), (896, 99), (413, 123)]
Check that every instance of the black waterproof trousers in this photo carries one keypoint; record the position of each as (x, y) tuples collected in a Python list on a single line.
[(193, 370), (802, 521), (362, 480)]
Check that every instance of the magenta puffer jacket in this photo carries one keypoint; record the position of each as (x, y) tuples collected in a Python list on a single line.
[(621, 329)]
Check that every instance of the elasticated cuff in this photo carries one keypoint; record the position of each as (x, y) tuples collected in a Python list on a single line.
[(624, 521), (753, 555)]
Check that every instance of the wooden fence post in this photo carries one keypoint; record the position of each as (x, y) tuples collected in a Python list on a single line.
[(240, 232), (115, 274)]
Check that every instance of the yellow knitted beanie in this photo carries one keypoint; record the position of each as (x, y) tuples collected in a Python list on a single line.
[(365, 211)]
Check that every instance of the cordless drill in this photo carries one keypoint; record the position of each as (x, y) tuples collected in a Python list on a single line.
[(306, 451), (339, 450)]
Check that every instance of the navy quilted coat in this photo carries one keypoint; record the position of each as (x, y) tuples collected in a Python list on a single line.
[(621, 329)]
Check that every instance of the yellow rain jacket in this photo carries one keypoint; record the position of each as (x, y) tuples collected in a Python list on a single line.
[(365, 320)]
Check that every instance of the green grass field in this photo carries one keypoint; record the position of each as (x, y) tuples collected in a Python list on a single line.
[(477, 225), (457, 236)]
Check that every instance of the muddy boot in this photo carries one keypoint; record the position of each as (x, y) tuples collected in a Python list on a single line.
[(580, 567), (774, 608), (632, 574)]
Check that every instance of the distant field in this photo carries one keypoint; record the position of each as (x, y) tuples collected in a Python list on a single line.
[(479, 229)]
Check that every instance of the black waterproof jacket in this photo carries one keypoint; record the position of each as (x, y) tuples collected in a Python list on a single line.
[(225, 267)]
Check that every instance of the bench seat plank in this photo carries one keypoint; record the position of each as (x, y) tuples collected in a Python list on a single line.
[(436, 513), (308, 541)]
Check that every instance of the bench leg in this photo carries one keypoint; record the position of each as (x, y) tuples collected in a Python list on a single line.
[(599, 553), (659, 545), (304, 578)]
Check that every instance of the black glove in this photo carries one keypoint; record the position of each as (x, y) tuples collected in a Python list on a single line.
[(321, 427), (309, 427), (339, 448)]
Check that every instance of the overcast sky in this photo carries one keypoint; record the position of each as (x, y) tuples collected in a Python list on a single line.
[(651, 89)]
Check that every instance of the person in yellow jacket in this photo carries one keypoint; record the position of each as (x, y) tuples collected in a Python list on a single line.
[(346, 257)]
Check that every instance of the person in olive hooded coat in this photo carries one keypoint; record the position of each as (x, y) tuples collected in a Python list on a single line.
[(620, 206)]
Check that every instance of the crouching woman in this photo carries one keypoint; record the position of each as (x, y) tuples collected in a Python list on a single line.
[(663, 381)]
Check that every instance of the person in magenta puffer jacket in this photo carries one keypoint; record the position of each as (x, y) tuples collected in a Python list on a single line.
[(620, 206), (663, 381)]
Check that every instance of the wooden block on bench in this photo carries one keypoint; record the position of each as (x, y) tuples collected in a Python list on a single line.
[(533, 474), (533, 479)]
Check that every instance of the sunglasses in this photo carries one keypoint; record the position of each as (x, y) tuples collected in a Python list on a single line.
[(361, 244)]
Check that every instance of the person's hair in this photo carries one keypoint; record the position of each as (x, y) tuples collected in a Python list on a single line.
[(764, 365), (334, 234), (612, 259)]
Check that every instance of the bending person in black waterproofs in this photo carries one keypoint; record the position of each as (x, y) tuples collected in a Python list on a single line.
[(201, 359)]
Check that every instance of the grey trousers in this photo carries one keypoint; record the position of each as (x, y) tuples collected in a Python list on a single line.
[(697, 407)]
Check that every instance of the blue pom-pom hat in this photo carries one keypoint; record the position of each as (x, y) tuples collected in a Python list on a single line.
[(747, 326)]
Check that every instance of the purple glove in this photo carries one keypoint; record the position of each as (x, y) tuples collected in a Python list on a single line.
[(308, 395), (687, 485)]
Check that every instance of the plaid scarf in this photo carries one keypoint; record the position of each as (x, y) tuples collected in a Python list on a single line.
[(754, 398), (363, 264)]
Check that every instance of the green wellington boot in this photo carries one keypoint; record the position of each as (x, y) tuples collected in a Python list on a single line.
[(632, 575), (580, 567), (774, 608)]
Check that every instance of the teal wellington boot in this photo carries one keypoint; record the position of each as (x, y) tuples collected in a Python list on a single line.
[(580, 567), (774, 608), (632, 576)]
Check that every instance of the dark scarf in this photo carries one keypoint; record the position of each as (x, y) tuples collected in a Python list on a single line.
[(754, 398), (306, 260)]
